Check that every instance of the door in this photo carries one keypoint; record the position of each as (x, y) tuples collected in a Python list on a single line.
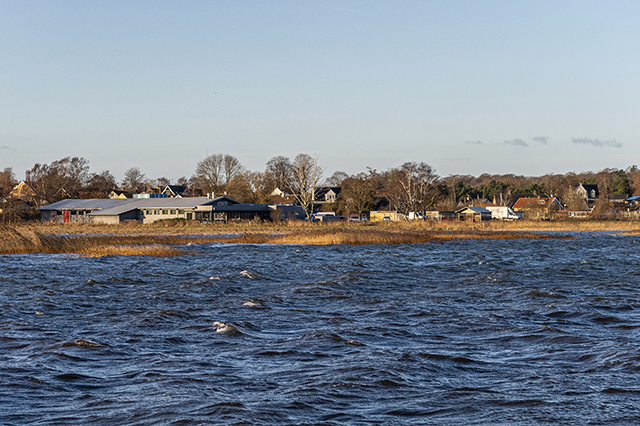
[(67, 216)]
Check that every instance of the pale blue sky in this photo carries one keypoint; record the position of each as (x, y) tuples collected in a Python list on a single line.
[(470, 87)]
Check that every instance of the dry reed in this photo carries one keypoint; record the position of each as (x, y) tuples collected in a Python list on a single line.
[(87, 240)]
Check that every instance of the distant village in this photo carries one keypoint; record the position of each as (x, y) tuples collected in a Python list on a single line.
[(221, 190)]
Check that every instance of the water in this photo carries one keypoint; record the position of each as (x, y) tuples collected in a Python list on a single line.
[(463, 332)]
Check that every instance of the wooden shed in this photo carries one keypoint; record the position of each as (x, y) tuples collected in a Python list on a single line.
[(473, 214)]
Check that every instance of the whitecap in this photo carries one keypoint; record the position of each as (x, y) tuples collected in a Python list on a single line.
[(250, 303), (222, 327), (249, 274)]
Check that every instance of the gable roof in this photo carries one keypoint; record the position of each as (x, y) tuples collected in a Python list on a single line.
[(324, 190), (474, 209), (22, 190), (534, 203), (174, 189)]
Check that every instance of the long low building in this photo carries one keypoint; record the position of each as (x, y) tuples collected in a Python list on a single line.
[(149, 210)]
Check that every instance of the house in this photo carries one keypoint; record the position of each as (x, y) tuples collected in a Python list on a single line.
[(279, 196), (173, 191), (588, 192), (537, 207), (224, 209), (380, 216), (278, 192), (617, 199), (23, 192), (149, 210), (326, 194), (119, 194), (473, 214)]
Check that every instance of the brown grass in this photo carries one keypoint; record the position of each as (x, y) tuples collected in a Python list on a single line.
[(138, 239), (364, 235), (13, 241)]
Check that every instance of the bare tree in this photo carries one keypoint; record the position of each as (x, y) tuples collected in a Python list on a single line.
[(278, 172), (358, 194), (216, 171), (411, 187), (231, 167), (7, 181), (209, 172), (306, 173), (101, 184), (336, 179), (163, 182), (134, 179), (61, 179)]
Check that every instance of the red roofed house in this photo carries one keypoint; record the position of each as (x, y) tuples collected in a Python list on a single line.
[(537, 207)]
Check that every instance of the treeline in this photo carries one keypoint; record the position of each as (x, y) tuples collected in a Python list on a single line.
[(413, 186)]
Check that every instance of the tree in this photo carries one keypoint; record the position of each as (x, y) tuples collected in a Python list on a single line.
[(358, 194), (101, 184), (162, 182), (61, 179), (306, 173), (215, 171), (278, 172), (621, 184), (134, 179), (410, 187), (336, 179), (7, 181)]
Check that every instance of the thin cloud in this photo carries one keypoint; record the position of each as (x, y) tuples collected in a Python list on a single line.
[(541, 139), (597, 142), (473, 142), (515, 142)]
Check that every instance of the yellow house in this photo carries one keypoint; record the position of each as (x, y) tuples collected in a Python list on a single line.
[(22, 191), (377, 216)]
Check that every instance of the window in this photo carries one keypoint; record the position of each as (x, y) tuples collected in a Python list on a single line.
[(165, 211), (180, 211), (222, 203), (173, 212)]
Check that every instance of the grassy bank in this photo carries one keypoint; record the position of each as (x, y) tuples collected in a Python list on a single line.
[(91, 240), (183, 228)]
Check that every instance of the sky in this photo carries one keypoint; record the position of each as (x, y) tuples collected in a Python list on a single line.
[(469, 87)]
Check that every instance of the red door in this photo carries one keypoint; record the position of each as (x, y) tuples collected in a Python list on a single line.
[(67, 215)]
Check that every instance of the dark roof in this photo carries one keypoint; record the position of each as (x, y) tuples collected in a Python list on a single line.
[(176, 189), (474, 209), (590, 187)]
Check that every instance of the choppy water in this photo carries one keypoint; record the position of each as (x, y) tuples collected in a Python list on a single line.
[(464, 332)]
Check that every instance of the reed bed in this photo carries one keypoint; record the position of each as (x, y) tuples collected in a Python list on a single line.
[(354, 236), (91, 243), (183, 228), (13, 241)]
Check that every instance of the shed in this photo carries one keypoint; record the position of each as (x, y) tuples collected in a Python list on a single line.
[(473, 214)]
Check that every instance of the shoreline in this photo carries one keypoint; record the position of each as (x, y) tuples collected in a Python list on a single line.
[(166, 239), (195, 228)]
